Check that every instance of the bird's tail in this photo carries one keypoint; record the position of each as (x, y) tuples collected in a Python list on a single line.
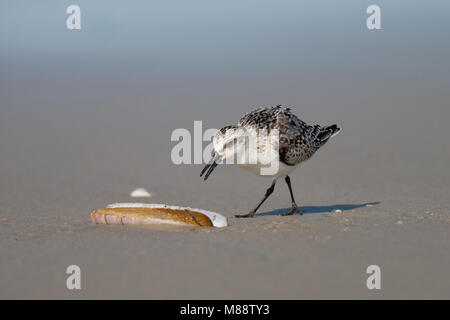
[(328, 132)]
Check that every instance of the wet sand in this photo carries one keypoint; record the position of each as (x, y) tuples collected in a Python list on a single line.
[(391, 187)]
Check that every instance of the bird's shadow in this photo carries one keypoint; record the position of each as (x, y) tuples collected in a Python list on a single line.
[(321, 209)]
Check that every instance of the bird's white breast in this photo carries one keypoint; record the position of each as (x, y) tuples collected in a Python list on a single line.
[(280, 169)]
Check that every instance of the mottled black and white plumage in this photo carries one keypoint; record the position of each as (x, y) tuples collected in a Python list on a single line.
[(298, 140), (295, 142)]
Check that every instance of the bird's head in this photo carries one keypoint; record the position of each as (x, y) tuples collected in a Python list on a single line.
[(229, 142)]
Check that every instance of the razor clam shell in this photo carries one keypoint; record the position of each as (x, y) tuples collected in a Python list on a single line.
[(102, 217)]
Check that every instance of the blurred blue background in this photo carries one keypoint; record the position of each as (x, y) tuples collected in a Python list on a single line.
[(139, 69), (222, 36)]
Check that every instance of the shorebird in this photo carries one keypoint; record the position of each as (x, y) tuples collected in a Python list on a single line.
[(294, 142)]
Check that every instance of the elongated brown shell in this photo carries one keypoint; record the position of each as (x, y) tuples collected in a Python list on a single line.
[(138, 215)]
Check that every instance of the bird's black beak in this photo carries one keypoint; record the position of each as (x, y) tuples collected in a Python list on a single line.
[(209, 168), (204, 169)]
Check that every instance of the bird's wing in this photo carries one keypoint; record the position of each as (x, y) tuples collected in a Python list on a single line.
[(259, 118), (291, 130)]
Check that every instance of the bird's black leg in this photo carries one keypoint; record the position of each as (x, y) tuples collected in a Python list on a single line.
[(252, 213), (294, 205)]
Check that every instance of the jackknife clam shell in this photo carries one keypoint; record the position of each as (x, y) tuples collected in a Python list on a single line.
[(154, 213)]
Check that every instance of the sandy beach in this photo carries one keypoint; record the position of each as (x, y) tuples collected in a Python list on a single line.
[(82, 131)]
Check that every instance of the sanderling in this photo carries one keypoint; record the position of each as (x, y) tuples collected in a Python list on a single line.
[(295, 142)]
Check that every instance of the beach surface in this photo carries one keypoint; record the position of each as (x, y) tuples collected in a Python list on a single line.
[(389, 186)]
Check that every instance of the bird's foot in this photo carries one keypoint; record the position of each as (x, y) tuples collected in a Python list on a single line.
[(294, 209), (248, 215)]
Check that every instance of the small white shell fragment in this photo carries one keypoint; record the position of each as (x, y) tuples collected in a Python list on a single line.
[(140, 193), (338, 210), (98, 216)]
